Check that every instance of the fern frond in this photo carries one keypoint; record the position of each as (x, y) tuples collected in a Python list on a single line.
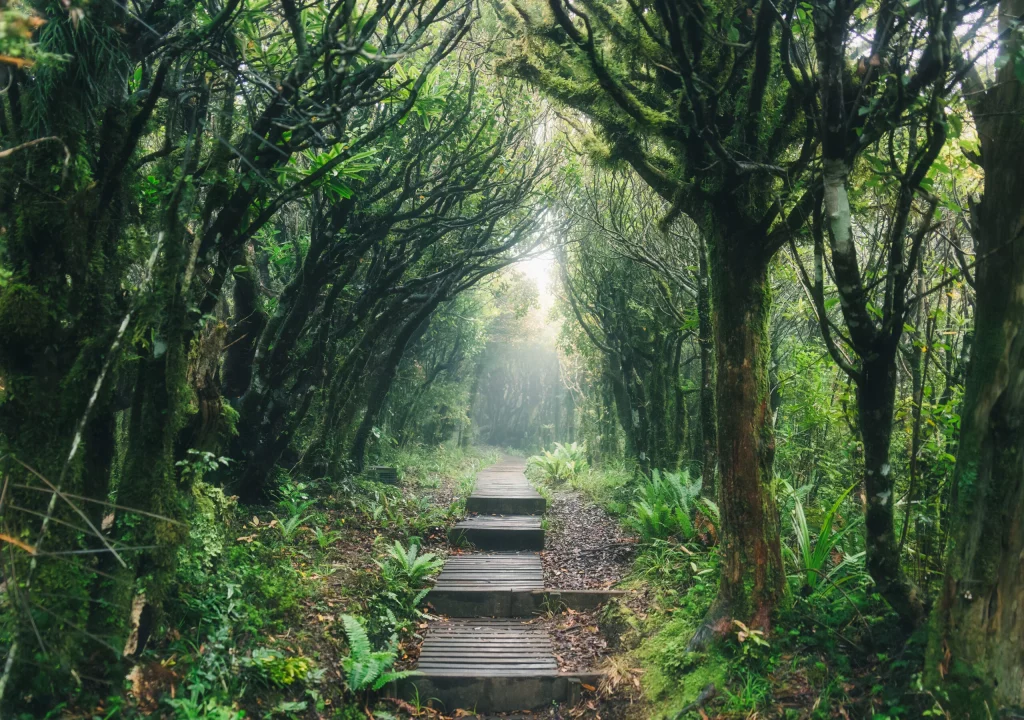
[(394, 676), (358, 641)]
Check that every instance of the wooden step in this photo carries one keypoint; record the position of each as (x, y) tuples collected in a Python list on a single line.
[(479, 659), (499, 532), (488, 585), (505, 493), (506, 505), (487, 571), (488, 666)]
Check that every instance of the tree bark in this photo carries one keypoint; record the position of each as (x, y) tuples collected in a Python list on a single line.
[(752, 579), (706, 339), (246, 327), (876, 395), (975, 649)]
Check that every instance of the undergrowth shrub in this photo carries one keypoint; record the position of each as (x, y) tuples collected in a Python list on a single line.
[(818, 555), (665, 506), (404, 580), (405, 566), (244, 580), (562, 465), (272, 667), (367, 669)]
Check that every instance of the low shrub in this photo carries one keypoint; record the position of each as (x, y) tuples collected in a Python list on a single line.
[(562, 465)]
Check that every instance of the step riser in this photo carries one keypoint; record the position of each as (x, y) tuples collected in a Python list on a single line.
[(483, 603), (487, 694), (497, 539), (495, 694), (514, 603), (506, 506)]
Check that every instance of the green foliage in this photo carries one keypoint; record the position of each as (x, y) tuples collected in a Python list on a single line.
[(194, 707), (273, 667), (814, 558), (211, 676), (563, 465), (664, 505), (404, 574), (199, 463), (209, 527), (290, 525), (294, 503), (324, 538), (365, 668), (407, 567)]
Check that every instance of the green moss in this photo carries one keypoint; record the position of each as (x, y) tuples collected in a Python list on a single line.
[(25, 315), (229, 419), (673, 678), (967, 692)]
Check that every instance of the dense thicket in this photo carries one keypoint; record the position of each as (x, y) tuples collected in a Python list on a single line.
[(225, 229)]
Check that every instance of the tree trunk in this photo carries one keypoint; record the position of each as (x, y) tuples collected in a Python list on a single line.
[(609, 442), (752, 579), (706, 339), (246, 326), (876, 395), (414, 328), (976, 646), (614, 374)]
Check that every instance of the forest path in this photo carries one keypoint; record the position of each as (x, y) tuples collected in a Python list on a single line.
[(487, 655)]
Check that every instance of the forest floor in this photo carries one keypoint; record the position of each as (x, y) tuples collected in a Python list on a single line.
[(256, 630), (584, 549), (832, 653)]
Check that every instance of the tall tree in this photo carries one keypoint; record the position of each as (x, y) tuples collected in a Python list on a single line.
[(702, 101), (898, 112), (975, 648), (631, 288)]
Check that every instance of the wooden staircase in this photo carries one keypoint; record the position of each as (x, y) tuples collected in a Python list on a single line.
[(487, 656)]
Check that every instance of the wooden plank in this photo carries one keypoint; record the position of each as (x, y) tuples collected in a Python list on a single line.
[(504, 522), (499, 662), (486, 647), (505, 571)]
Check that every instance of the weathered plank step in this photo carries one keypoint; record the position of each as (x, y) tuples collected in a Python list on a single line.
[(486, 571), (499, 532), (489, 666), (505, 493), (503, 585), (487, 585), (456, 602), (456, 645), (506, 505), (495, 664)]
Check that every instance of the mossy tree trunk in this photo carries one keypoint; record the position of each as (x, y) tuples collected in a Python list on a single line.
[(876, 397), (975, 648), (706, 340), (752, 577)]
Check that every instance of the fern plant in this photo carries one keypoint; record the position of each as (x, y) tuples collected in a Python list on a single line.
[(405, 572), (289, 526), (408, 566), (663, 506), (564, 464), (366, 668)]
